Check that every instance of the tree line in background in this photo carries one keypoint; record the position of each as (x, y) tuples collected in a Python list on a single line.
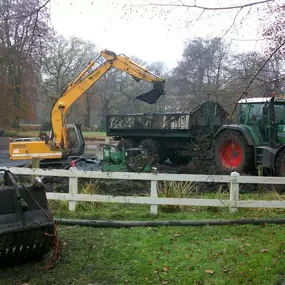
[(36, 64)]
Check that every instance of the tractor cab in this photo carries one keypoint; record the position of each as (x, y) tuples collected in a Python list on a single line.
[(264, 118)]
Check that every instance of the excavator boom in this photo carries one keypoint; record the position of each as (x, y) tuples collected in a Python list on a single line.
[(59, 145)]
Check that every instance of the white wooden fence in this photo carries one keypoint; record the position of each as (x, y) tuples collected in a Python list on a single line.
[(233, 203)]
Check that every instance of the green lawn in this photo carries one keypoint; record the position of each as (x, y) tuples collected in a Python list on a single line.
[(87, 135), (193, 255), (165, 255), (94, 135)]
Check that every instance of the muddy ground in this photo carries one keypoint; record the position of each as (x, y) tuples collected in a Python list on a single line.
[(126, 187)]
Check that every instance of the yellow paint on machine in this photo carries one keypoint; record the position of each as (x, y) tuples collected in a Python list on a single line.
[(34, 149)]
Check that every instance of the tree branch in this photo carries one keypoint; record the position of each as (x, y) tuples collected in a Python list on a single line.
[(205, 7), (255, 76), (36, 11)]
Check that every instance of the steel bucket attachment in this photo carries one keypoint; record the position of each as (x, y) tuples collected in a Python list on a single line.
[(153, 95), (26, 224)]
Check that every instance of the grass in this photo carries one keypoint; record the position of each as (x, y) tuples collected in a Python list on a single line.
[(245, 254), (86, 135), (190, 255), (94, 135)]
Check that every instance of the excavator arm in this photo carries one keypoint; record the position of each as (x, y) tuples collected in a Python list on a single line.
[(57, 146)]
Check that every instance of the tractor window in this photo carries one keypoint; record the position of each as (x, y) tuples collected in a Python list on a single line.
[(279, 113), (250, 113), (255, 112), (241, 111)]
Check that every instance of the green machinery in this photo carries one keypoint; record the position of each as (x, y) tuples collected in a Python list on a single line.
[(257, 137), (123, 159)]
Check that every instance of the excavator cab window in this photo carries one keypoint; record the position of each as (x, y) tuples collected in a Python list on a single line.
[(75, 139)]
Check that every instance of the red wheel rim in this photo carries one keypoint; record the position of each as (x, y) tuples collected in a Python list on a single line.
[(230, 154)]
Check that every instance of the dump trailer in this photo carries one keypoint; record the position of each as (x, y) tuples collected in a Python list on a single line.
[(175, 136)]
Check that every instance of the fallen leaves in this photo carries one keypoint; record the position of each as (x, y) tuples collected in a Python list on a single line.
[(264, 250), (165, 269), (210, 271)]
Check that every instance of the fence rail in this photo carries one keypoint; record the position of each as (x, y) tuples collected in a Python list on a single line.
[(234, 180)]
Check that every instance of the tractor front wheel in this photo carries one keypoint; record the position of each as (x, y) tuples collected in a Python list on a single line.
[(232, 153)]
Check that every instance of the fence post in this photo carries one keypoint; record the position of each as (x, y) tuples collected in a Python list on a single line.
[(73, 189), (234, 193), (153, 194), (35, 165)]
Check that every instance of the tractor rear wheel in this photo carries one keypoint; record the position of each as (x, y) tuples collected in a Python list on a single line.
[(154, 148), (280, 164), (126, 144), (232, 153)]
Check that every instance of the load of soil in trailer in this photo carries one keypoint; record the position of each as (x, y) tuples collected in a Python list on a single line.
[(26, 223)]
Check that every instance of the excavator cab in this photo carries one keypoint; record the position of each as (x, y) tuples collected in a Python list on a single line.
[(75, 140)]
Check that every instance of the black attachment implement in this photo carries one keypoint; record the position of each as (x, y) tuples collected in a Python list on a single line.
[(153, 95), (26, 223)]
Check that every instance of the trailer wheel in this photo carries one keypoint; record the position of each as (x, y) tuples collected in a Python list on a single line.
[(126, 143), (154, 148), (232, 153), (280, 164), (178, 159)]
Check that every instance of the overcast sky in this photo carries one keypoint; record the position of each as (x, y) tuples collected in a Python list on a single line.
[(151, 34)]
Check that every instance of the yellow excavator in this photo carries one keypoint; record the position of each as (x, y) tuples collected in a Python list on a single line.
[(66, 140)]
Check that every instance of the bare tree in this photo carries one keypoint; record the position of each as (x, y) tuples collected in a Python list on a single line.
[(23, 36), (63, 61), (200, 74), (273, 27)]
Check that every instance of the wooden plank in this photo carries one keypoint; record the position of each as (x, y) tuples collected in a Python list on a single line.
[(138, 200), (260, 180), (148, 176), (123, 175), (73, 189), (153, 194), (165, 201), (260, 204), (234, 193), (35, 165)]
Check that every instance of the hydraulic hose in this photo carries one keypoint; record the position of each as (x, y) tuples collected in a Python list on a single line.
[(130, 224)]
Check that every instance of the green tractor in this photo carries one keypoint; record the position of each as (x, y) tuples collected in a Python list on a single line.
[(257, 137)]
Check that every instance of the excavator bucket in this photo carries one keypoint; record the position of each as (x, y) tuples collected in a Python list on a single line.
[(153, 95), (26, 224)]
